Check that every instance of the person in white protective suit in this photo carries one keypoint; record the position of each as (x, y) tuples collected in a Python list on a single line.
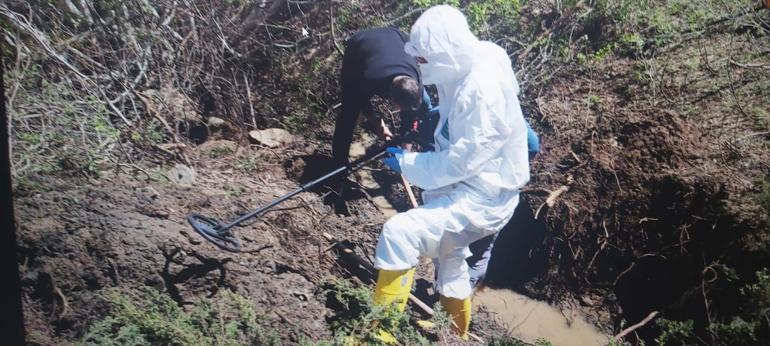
[(471, 181)]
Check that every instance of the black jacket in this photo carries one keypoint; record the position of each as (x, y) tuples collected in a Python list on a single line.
[(372, 58)]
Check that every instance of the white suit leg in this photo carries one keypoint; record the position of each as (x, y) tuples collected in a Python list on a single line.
[(418, 232), (453, 276)]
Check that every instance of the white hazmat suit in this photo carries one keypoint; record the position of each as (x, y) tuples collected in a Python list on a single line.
[(480, 162)]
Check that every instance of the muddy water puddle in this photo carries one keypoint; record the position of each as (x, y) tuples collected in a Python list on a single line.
[(528, 319)]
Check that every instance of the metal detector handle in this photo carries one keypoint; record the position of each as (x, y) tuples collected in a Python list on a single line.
[(350, 167)]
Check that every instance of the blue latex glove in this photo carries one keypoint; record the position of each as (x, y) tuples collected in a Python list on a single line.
[(392, 161), (533, 142)]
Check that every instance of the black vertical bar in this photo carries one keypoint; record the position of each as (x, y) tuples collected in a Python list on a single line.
[(11, 318)]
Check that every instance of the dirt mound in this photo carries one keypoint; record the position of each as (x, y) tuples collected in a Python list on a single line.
[(650, 194)]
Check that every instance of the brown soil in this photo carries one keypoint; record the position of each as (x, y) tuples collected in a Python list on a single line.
[(127, 231), (656, 199)]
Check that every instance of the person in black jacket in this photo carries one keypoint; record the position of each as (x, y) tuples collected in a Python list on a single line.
[(375, 64)]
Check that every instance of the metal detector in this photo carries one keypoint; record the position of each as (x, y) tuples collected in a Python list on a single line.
[(221, 235)]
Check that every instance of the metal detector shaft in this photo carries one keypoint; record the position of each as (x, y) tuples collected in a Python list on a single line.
[(350, 167)]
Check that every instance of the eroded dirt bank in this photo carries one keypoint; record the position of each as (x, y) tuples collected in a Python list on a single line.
[(128, 231)]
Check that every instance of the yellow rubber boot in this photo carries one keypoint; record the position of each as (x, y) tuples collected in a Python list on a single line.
[(393, 286), (460, 311)]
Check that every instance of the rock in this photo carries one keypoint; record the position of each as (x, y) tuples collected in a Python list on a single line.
[(272, 138), (216, 122), (181, 175)]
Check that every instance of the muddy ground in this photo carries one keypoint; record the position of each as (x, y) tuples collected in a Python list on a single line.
[(126, 230)]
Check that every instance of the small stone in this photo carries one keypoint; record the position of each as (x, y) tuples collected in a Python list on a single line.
[(271, 138), (182, 175), (216, 122)]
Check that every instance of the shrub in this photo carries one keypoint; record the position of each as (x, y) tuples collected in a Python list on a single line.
[(358, 318), (150, 317)]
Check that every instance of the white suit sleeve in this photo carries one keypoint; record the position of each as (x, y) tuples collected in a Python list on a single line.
[(478, 132)]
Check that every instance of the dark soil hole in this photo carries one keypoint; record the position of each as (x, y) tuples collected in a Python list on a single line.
[(197, 133), (518, 255), (684, 258)]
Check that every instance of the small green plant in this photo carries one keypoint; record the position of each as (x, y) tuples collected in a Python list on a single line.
[(150, 317), (153, 132), (740, 330), (359, 319), (23, 185), (582, 58), (633, 42), (602, 53), (158, 174), (235, 190), (737, 332), (30, 137), (758, 295), (219, 152), (429, 3), (675, 332), (248, 164), (505, 341), (593, 101)]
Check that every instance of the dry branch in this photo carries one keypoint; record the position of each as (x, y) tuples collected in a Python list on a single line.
[(409, 192), (551, 200), (331, 25), (641, 323)]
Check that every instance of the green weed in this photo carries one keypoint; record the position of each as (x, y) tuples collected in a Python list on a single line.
[(593, 101), (429, 3), (758, 295), (675, 332), (739, 330), (147, 316), (235, 190), (219, 152), (358, 318), (24, 185), (248, 164), (30, 137), (158, 174)]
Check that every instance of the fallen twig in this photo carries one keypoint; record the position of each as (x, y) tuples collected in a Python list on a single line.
[(641, 323), (331, 24), (633, 264), (551, 200), (65, 305), (409, 191)]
